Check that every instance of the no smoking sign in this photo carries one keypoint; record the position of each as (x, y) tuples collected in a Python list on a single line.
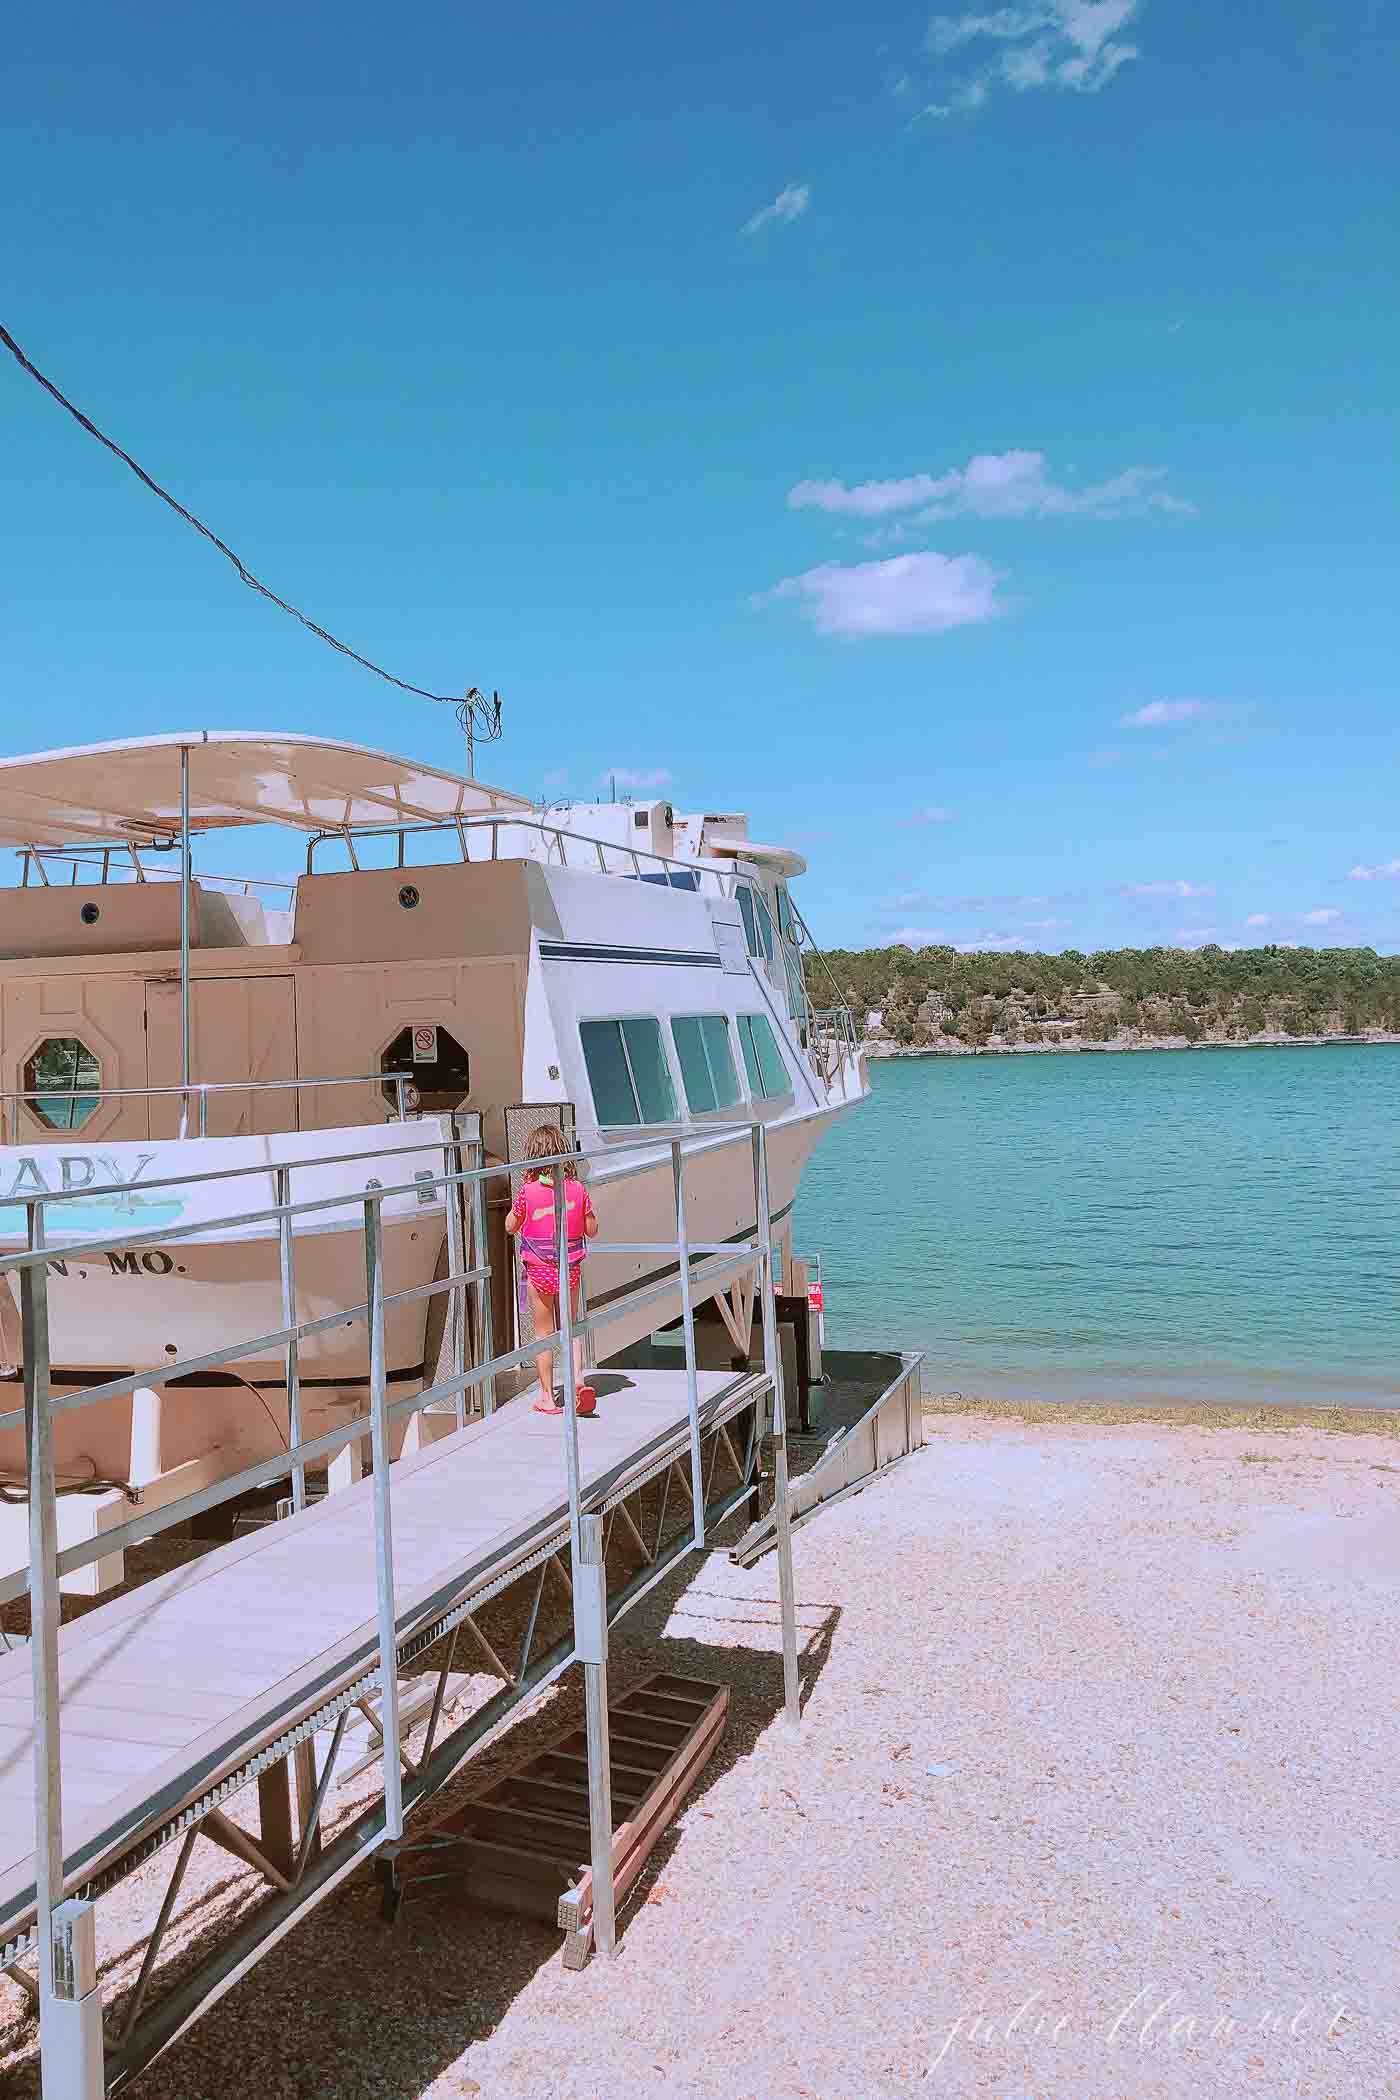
[(425, 1043)]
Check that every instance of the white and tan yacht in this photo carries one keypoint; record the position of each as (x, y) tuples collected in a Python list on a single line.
[(450, 951)]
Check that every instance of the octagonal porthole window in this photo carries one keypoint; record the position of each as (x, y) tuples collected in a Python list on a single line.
[(436, 1070), (63, 1080)]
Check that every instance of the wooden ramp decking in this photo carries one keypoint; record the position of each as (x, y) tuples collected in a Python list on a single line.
[(177, 1687)]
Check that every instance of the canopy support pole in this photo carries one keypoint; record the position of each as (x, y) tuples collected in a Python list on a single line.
[(185, 938)]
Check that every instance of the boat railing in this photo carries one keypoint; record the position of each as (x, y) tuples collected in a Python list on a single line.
[(835, 1024), (196, 1094), (694, 1268), (567, 849), (130, 867)]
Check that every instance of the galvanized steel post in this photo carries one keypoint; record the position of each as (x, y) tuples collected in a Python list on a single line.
[(485, 1317), (773, 1366), (692, 1382), (282, 1196), (383, 1521), (591, 1644), (590, 1605), (185, 938), (43, 1625), (72, 2044), (456, 1263), (566, 1350)]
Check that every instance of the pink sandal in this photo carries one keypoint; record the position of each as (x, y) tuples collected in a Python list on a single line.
[(585, 1402)]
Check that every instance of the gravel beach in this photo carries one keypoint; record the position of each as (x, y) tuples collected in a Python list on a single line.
[(1092, 1801)]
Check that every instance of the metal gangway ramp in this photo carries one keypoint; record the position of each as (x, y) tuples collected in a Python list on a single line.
[(123, 1734)]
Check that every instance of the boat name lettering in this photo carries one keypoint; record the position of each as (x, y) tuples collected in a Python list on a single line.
[(77, 1170), (155, 1261)]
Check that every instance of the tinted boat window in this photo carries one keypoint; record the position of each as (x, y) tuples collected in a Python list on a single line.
[(758, 926), (695, 1067), (627, 1071), (768, 1075), (707, 1062), (614, 1100), (651, 1075)]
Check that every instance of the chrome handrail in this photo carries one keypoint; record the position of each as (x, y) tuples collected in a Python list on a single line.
[(557, 836), (400, 1081), (76, 857)]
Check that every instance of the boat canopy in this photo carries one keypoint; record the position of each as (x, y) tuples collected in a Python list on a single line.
[(131, 790), (781, 859)]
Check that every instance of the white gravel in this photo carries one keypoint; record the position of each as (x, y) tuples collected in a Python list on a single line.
[(1154, 1674)]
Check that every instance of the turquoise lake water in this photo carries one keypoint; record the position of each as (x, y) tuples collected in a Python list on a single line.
[(1194, 1224)]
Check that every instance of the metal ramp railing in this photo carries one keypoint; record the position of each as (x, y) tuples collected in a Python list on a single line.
[(685, 1449), (891, 1428)]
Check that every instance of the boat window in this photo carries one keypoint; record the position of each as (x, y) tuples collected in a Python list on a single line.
[(768, 1075), (628, 1072), (758, 926), (787, 924), (672, 878), (797, 994), (434, 1064), (67, 1077), (707, 1062)]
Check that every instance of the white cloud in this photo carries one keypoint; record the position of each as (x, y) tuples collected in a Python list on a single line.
[(628, 777), (1168, 889), (914, 937), (1067, 44), (908, 594), (1322, 917), (1047, 925), (991, 944), (1014, 484), (1196, 936), (789, 204), (962, 100), (1384, 871), (1258, 918), (1158, 714), (934, 814)]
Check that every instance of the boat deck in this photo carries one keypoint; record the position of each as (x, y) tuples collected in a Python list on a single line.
[(178, 1686)]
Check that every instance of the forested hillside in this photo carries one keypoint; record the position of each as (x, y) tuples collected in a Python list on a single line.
[(929, 997)]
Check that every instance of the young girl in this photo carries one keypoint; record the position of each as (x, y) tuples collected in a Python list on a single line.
[(532, 1217)]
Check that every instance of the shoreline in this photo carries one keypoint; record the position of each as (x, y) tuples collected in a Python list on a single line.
[(882, 1048), (1328, 1418)]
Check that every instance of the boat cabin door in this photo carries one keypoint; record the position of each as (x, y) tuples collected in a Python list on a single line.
[(241, 1028)]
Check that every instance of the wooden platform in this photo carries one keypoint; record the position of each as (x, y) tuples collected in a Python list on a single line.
[(523, 1844), (179, 1684)]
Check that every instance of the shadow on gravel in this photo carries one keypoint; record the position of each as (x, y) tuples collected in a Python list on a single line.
[(346, 2006)]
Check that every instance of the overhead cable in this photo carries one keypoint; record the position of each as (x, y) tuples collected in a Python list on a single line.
[(487, 723)]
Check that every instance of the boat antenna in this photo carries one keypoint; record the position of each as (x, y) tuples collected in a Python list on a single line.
[(480, 719), (246, 574)]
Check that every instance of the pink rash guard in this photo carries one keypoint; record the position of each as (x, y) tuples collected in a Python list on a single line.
[(539, 1245)]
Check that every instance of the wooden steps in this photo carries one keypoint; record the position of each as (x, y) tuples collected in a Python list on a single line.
[(523, 1845)]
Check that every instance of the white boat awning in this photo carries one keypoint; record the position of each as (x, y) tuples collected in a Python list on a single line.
[(781, 859), (131, 789)]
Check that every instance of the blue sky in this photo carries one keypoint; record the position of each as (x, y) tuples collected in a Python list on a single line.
[(966, 440)]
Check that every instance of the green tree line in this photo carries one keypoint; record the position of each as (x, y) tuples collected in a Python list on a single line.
[(1204, 994)]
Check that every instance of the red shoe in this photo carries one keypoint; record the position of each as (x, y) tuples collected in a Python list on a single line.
[(586, 1399)]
